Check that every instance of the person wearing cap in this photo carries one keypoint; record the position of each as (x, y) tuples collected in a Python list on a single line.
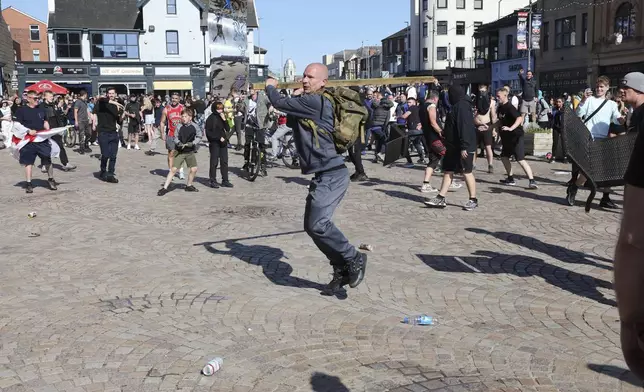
[(629, 253)]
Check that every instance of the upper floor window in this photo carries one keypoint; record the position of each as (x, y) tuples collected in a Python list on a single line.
[(172, 42), (36, 54), (460, 4), (477, 25), (625, 20), (171, 7), (34, 33), (68, 45), (424, 5), (441, 53), (478, 4), (565, 32), (460, 28), (545, 45), (115, 45), (441, 4), (425, 29), (441, 27), (460, 53), (509, 46), (584, 29)]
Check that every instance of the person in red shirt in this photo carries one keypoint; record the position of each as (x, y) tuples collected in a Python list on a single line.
[(172, 116)]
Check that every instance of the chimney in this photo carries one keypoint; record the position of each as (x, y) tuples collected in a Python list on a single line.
[(51, 6)]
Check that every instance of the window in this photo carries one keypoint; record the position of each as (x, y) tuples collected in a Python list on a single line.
[(115, 46), (425, 29), (460, 28), (172, 42), (545, 45), (171, 7), (509, 46), (478, 4), (460, 53), (565, 32), (441, 27), (460, 4), (36, 54), (34, 33), (424, 5), (441, 4), (68, 45), (477, 25), (441, 53), (425, 57), (625, 20), (584, 29)]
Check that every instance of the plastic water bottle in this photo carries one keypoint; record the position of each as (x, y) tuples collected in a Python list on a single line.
[(212, 366), (419, 320)]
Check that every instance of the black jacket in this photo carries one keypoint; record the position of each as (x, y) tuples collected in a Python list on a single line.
[(216, 128), (459, 132), (381, 112), (528, 87), (53, 115)]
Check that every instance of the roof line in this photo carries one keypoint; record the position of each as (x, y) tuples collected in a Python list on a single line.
[(25, 14), (197, 3)]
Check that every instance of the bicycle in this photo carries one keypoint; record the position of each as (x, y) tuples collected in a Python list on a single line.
[(287, 152), (255, 156), (71, 136)]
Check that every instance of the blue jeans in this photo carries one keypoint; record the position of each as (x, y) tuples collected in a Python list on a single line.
[(325, 194), (109, 144), (415, 136)]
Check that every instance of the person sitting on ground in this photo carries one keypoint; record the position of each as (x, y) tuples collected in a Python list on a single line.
[(186, 142)]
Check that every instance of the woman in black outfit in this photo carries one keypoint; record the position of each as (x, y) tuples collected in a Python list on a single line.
[(218, 133)]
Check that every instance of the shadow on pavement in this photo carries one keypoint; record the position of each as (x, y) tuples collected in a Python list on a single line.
[(294, 180), (270, 259), (321, 382), (624, 375), (531, 195), (486, 262)]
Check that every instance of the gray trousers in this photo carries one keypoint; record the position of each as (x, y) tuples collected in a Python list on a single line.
[(325, 193)]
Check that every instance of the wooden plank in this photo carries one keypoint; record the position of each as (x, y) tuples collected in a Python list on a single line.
[(359, 82)]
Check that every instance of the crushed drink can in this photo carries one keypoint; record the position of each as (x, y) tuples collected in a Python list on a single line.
[(32, 214)]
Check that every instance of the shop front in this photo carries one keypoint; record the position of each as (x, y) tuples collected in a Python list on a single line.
[(617, 72), (470, 79), (131, 78), (507, 72), (570, 81)]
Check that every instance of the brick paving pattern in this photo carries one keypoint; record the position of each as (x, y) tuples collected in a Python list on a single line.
[(126, 291)]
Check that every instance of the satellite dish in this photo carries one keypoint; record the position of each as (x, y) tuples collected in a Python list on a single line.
[(618, 38)]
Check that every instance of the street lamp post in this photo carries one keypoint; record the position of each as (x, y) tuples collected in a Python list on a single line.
[(529, 27)]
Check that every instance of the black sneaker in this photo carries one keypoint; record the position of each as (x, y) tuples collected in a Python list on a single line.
[(29, 188), (191, 188), (263, 173), (421, 161), (103, 176), (357, 270), (81, 151), (149, 153), (508, 181), (226, 184), (360, 177), (162, 192), (607, 203), (52, 184), (340, 278), (245, 167), (112, 180), (571, 193), (533, 185), (213, 184)]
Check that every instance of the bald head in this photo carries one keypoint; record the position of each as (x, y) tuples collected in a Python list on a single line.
[(315, 77)]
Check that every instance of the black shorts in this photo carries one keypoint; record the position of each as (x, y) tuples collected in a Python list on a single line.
[(30, 151), (454, 163), (513, 145), (133, 127), (485, 137)]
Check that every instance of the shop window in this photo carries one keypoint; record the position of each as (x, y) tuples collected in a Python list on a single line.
[(625, 20), (68, 45), (115, 45)]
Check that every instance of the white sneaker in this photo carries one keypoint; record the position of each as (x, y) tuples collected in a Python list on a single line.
[(129, 147), (428, 188), (95, 144), (43, 169), (181, 175), (455, 185), (136, 147)]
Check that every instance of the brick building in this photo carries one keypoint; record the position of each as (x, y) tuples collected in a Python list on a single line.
[(7, 59), (29, 35)]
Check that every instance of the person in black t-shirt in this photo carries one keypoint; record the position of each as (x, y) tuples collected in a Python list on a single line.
[(56, 118), (432, 130), (133, 112), (629, 253), (108, 112), (512, 135), (414, 131)]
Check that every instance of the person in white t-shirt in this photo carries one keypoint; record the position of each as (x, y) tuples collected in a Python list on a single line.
[(411, 92), (597, 112)]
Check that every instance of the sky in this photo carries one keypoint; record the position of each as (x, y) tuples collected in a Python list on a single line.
[(308, 33)]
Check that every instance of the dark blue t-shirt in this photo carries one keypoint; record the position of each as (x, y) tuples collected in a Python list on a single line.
[(32, 118)]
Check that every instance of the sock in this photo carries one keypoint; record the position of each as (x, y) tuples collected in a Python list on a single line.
[(425, 182), (474, 199), (439, 196)]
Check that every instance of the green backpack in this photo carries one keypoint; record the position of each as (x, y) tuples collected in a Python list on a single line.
[(349, 115)]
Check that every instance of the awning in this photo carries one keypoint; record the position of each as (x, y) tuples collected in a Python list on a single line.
[(172, 85)]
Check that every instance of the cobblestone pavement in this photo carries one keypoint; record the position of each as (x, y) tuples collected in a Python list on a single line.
[(126, 291)]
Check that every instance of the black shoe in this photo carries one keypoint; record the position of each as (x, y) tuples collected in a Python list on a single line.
[(87, 149), (52, 184), (508, 181), (112, 180), (162, 192), (103, 176), (421, 161), (81, 151), (149, 153), (29, 188), (245, 167), (571, 194), (360, 177), (357, 270), (191, 188), (264, 173), (238, 148), (340, 278), (607, 203), (213, 184), (226, 184)]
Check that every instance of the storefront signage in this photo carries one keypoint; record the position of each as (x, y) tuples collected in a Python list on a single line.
[(56, 70), (122, 71), (515, 67), (571, 80)]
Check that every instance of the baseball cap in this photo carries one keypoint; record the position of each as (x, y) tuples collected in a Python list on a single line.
[(634, 80)]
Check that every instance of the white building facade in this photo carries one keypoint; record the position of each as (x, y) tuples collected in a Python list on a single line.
[(289, 71), (441, 30)]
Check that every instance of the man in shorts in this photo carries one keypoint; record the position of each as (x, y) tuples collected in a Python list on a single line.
[(483, 120), (529, 94), (133, 113), (512, 134), (172, 117)]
